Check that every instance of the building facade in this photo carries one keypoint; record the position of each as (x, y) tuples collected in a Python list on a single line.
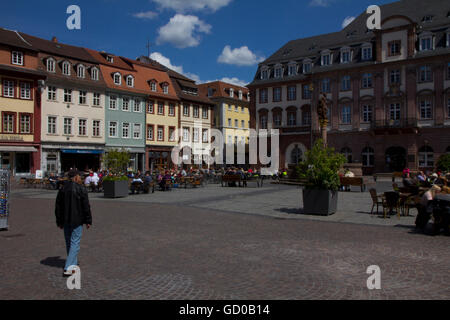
[(124, 108), (195, 120), (162, 114), (388, 90), (72, 112), (20, 104), (231, 115)]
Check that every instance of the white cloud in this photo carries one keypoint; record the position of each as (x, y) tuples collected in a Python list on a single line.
[(235, 81), (192, 5), (347, 21), (182, 31), (320, 3), (159, 57), (240, 56), (145, 15), (165, 62)]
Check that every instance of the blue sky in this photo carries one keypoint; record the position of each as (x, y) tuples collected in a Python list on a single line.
[(204, 39)]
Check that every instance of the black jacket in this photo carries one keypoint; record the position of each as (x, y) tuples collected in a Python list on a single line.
[(72, 206)]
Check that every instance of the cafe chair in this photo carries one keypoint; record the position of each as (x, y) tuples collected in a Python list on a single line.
[(391, 203)]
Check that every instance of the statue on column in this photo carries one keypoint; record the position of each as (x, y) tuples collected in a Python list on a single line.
[(322, 112)]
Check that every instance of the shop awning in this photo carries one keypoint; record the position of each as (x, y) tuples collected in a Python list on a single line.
[(80, 151), (17, 149)]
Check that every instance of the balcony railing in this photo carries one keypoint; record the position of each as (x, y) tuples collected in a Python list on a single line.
[(294, 129), (402, 123)]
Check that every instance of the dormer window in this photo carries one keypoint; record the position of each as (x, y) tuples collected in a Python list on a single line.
[(394, 48), (210, 92), (66, 68), (165, 87), (307, 66), (366, 52), (153, 85), (292, 69), (94, 74), (346, 55), (17, 58), (240, 95), (426, 42), (117, 78), (110, 59), (130, 81), (50, 65), (231, 93), (278, 71), (326, 58), (81, 70), (264, 73)]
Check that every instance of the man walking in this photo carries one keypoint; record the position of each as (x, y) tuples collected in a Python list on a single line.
[(72, 211)]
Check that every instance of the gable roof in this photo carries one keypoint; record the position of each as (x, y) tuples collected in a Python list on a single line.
[(222, 90), (14, 39)]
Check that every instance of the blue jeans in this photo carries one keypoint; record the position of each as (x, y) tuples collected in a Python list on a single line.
[(73, 239)]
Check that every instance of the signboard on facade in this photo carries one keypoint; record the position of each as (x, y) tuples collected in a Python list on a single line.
[(7, 137)]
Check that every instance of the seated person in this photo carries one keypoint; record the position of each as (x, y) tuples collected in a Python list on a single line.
[(408, 182), (53, 180), (425, 208), (136, 185), (147, 181), (88, 180)]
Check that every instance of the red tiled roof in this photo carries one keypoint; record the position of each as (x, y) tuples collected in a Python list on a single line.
[(222, 90)]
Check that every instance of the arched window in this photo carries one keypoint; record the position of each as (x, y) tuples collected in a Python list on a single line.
[(263, 121), (94, 74), (130, 81), (117, 78), (66, 68), (296, 155), (426, 157), (347, 153), (51, 65), (368, 157), (81, 71)]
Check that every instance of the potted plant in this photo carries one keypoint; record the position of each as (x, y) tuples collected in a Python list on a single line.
[(319, 172), (115, 185)]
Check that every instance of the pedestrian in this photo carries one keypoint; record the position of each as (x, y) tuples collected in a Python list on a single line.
[(72, 211)]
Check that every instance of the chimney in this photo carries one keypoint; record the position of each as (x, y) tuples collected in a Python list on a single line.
[(55, 40)]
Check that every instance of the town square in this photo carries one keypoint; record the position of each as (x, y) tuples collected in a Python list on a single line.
[(159, 152)]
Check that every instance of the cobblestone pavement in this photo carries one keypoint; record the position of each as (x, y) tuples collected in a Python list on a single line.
[(144, 250), (278, 201)]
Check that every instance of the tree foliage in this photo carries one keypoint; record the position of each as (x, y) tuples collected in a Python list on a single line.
[(116, 161), (320, 168), (443, 163)]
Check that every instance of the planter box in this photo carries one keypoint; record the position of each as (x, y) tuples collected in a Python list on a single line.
[(115, 189), (320, 202)]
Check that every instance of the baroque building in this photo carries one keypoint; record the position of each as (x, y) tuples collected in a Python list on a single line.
[(388, 90)]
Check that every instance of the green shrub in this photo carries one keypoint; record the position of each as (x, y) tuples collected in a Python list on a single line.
[(116, 161), (320, 168), (443, 163), (115, 178)]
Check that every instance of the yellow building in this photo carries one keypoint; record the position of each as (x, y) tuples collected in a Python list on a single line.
[(231, 114)]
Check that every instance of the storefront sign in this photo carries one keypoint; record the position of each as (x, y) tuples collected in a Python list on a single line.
[(78, 151), (8, 137)]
